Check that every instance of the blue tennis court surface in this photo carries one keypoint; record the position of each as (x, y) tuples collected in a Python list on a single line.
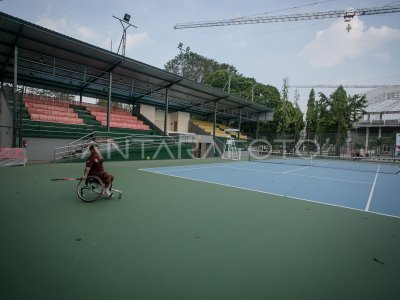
[(367, 191)]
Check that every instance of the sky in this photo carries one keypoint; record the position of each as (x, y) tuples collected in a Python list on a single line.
[(306, 52)]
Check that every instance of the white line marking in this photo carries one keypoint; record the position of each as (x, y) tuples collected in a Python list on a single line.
[(295, 170), (184, 168), (268, 193), (300, 175), (230, 166), (372, 190)]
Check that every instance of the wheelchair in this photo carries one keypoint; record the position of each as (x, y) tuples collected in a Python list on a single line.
[(92, 188)]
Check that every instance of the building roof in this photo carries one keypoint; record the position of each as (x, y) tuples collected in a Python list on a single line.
[(50, 60), (383, 108)]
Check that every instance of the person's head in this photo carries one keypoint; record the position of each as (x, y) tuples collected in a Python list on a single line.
[(93, 148)]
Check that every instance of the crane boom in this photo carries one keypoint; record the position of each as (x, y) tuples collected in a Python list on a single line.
[(350, 86), (347, 14)]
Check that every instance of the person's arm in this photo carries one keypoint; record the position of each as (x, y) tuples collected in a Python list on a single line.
[(88, 166), (86, 172)]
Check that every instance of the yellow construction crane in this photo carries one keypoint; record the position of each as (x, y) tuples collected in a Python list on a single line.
[(346, 14)]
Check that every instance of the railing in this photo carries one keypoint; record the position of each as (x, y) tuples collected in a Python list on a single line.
[(110, 142), (219, 146), (183, 137)]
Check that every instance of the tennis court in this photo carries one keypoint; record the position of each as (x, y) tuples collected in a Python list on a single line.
[(372, 187), (174, 238)]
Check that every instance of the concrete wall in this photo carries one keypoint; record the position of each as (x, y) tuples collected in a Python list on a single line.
[(43, 149), (157, 116), (149, 112), (5, 120), (182, 120), (160, 116)]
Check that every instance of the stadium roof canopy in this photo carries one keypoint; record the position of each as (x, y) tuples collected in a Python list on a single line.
[(50, 60)]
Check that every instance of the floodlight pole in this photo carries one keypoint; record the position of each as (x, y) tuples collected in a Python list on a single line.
[(14, 137), (125, 26)]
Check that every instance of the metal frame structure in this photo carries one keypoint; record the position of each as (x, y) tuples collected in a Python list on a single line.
[(33, 56), (346, 14)]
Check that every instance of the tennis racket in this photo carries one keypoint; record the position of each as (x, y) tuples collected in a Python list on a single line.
[(65, 179)]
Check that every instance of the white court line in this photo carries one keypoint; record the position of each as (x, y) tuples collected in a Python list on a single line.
[(183, 168), (230, 166), (268, 193), (295, 170), (300, 175), (372, 190)]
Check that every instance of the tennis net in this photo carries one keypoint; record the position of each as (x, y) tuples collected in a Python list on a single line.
[(361, 164)]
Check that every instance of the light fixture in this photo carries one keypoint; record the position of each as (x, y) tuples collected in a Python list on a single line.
[(127, 18), (125, 25)]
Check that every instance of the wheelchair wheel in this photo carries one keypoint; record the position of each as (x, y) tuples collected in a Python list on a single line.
[(90, 189)]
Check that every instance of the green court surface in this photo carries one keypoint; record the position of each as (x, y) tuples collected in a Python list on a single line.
[(171, 238)]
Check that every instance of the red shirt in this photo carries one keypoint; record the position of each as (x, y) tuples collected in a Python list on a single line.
[(95, 163)]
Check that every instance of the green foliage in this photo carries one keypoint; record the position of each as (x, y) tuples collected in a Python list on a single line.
[(48, 93), (311, 116), (339, 113), (288, 118), (104, 102), (195, 67)]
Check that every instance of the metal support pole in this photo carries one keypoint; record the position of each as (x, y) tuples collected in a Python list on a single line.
[(166, 111), (258, 126), (215, 119), (109, 104), (14, 139), (20, 123), (240, 122), (80, 98), (366, 140)]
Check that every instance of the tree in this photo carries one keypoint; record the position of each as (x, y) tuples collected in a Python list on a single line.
[(219, 75), (311, 115), (338, 113), (298, 122), (195, 67), (104, 102), (289, 116), (48, 93)]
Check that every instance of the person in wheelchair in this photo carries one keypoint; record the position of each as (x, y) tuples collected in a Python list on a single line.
[(94, 167)]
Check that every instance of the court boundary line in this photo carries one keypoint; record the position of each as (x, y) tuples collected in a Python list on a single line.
[(296, 169), (269, 193), (300, 175), (234, 166), (372, 190)]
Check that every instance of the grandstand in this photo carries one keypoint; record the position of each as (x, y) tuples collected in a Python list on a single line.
[(162, 103), (207, 127), (375, 133), (383, 107)]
